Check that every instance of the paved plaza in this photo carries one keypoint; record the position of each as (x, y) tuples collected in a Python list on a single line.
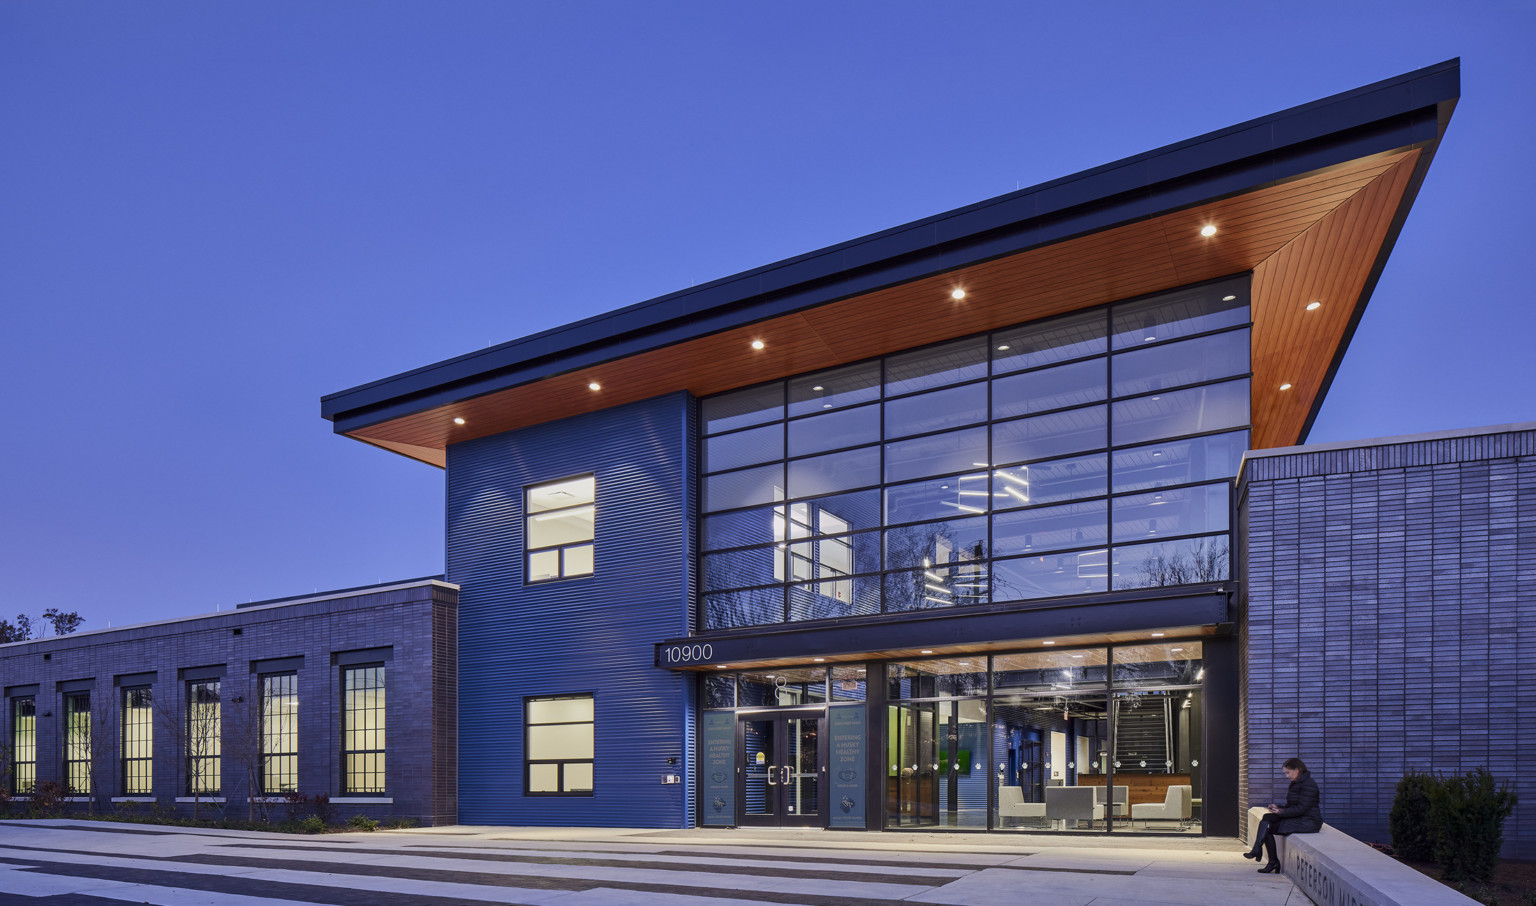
[(78, 863)]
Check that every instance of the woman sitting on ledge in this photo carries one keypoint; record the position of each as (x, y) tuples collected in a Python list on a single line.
[(1301, 814)]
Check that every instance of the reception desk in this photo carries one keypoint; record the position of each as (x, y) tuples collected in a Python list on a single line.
[(1145, 788)]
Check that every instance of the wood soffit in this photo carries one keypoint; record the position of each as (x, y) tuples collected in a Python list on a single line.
[(1314, 238)]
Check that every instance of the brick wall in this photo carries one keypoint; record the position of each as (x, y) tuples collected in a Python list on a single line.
[(1390, 616), (416, 621)]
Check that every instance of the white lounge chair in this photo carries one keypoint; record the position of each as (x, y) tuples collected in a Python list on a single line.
[(1122, 802), (1174, 807), (1011, 804)]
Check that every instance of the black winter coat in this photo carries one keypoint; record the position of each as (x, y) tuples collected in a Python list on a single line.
[(1302, 813)]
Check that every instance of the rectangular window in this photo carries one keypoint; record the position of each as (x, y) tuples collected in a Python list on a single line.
[(279, 733), (362, 735), (204, 745), (559, 528), (77, 742), (138, 741), (559, 744), (23, 745)]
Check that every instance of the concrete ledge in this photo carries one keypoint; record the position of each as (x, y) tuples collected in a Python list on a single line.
[(1334, 869)]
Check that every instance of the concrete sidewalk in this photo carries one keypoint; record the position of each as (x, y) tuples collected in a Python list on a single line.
[(86, 863)]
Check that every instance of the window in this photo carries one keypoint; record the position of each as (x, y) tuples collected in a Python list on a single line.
[(560, 516), (559, 744), (77, 742), (138, 741), (1080, 455), (23, 745), (204, 756), (362, 735), (279, 733)]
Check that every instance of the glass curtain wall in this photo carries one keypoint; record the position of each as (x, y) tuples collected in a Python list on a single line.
[(1086, 453)]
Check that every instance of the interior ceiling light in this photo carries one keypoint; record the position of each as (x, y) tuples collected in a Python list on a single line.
[(957, 294), (819, 659), (1003, 348), (927, 651), (758, 344), (458, 421), (1208, 230), (721, 666), (1286, 386), (1048, 642), (818, 387), (1314, 306), (594, 385), (1158, 635)]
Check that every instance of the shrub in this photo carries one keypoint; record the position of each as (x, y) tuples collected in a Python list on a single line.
[(1467, 815), (1412, 837), (48, 799), (363, 822), (323, 808), (295, 802), (312, 825), (403, 823)]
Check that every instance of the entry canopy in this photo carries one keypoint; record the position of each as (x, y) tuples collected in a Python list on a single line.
[(1309, 200)]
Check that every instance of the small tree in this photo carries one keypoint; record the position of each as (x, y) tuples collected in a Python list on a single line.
[(194, 732), (1467, 814), (101, 746), (243, 747), (1412, 836)]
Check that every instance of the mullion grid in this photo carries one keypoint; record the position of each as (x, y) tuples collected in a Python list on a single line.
[(279, 733), (77, 742), (1108, 354), (138, 741), (363, 728), (204, 743), (23, 745)]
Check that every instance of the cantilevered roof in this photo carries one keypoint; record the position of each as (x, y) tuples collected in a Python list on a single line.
[(1310, 200)]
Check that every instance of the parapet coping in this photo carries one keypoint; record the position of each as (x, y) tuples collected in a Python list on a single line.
[(1303, 449), (260, 606)]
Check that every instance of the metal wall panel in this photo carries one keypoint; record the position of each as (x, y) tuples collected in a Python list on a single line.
[(589, 634)]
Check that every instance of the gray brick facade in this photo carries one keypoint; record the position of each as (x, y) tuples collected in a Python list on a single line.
[(409, 626), (1390, 618)]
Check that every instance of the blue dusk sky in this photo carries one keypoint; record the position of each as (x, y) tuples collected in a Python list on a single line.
[(211, 214)]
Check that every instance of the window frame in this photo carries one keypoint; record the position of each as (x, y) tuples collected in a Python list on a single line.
[(560, 763), (269, 755), (559, 550), (74, 747), (144, 748), (382, 752), (195, 724), (15, 749)]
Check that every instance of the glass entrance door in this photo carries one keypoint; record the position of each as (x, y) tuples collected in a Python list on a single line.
[(779, 774)]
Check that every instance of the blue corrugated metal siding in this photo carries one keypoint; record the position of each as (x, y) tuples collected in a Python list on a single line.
[(591, 634)]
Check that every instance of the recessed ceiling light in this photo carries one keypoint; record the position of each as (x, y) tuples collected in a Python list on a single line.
[(758, 344), (594, 385), (1208, 230), (818, 387), (1077, 656), (819, 659), (1048, 642), (957, 294), (927, 651), (722, 666), (1314, 306), (1229, 298), (458, 421), (1175, 649), (1285, 386), (1003, 348)]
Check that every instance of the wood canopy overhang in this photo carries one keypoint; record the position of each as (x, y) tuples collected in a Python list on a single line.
[(1310, 201)]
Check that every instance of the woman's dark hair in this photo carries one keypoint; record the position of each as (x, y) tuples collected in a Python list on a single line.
[(1295, 764)]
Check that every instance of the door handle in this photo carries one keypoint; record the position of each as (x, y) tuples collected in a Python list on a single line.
[(785, 781), (771, 775)]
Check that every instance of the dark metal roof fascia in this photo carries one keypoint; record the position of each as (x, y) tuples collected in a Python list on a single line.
[(1387, 115)]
